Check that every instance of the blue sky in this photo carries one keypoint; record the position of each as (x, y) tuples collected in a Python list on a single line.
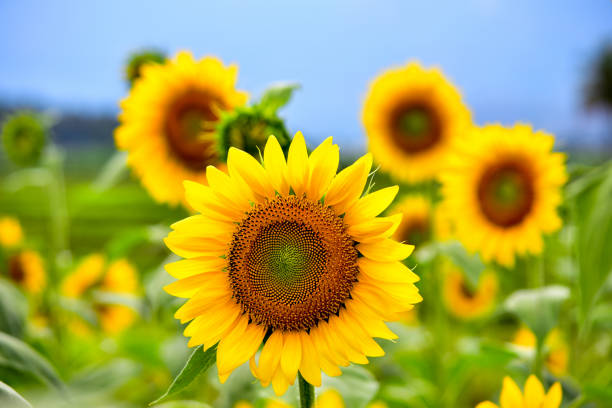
[(520, 60)]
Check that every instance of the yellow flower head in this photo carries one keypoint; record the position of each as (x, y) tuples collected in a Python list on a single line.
[(415, 226), (275, 249), (533, 397), (411, 116), (119, 277), (465, 302), (87, 274), (168, 121), (11, 234), (502, 188), (330, 399), (556, 350), (27, 269)]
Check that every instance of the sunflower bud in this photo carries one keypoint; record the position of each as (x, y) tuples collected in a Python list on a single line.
[(248, 129), (139, 59), (24, 135)]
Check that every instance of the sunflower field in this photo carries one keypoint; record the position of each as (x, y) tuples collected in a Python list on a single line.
[(214, 257)]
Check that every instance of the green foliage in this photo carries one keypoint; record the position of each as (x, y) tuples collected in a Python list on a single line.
[(10, 398), (538, 308), (13, 309), (133, 68), (198, 363), (17, 355), (356, 385), (470, 264)]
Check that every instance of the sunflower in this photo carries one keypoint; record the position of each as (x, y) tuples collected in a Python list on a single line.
[(463, 301), (11, 233), (411, 116), (534, 395), (556, 349), (289, 252), (502, 188), (119, 277), (24, 135), (415, 215), (168, 121), (27, 269)]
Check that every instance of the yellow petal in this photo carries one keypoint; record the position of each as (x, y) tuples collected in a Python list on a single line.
[(210, 328), (374, 326), (511, 396), (187, 287), (243, 165), (323, 163), (237, 346), (230, 193), (534, 392), (387, 250), (553, 397), (199, 225), (297, 164), (276, 166), (279, 383), (192, 247), (270, 356), (291, 355), (387, 271), (194, 266), (309, 366), (370, 205), (348, 185), (203, 199), (376, 228), (486, 404)]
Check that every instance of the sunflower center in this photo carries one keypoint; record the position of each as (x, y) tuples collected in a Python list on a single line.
[(415, 127), (291, 263), (506, 193), (415, 232), (189, 127), (16, 270), (466, 291)]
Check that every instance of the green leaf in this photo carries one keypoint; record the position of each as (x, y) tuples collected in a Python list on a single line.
[(277, 96), (593, 219), (198, 363), (470, 264), (538, 308), (17, 355), (356, 385), (13, 309), (10, 398)]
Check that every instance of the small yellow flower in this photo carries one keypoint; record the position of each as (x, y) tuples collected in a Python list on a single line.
[(292, 252), (167, 123), (27, 269), (533, 397), (411, 116), (11, 233), (556, 349), (329, 399), (463, 301), (502, 188), (119, 277)]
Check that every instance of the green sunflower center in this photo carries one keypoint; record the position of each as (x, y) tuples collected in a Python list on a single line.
[(415, 127), (506, 193), (189, 125), (291, 264)]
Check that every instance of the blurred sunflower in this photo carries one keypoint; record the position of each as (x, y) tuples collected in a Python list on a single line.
[(534, 395), (268, 404), (136, 61), (411, 116), (463, 301), (274, 253), (414, 217), (120, 277), (168, 121), (11, 233), (502, 188), (27, 269), (556, 349)]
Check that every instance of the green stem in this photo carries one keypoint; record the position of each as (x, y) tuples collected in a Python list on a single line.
[(307, 395), (537, 366)]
